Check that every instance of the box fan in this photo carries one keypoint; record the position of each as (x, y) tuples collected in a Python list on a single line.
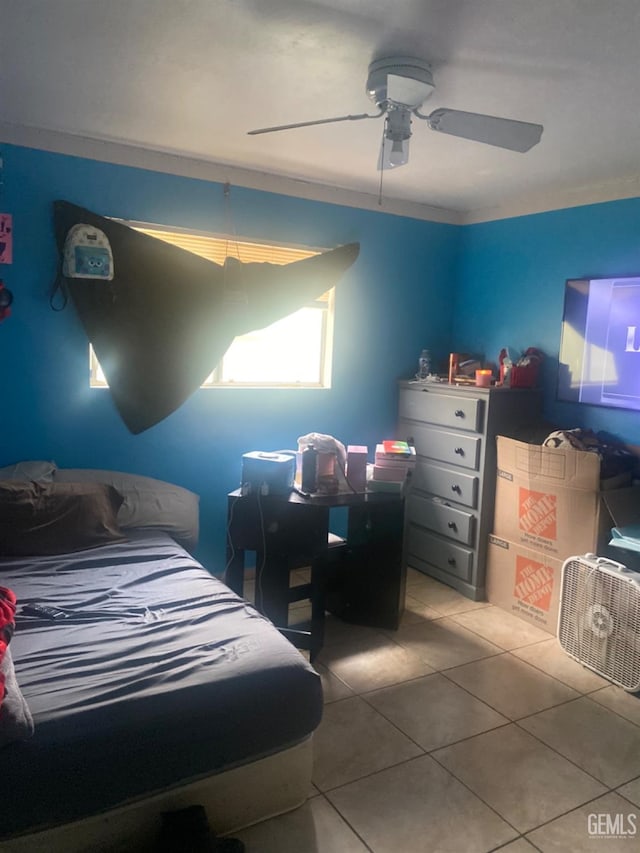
[(599, 618)]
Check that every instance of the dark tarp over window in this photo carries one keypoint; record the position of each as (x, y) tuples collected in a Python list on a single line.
[(167, 318)]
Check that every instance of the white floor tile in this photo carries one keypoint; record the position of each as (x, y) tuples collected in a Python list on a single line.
[(315, 827), (500, 627), (609, 824), (444, 643), (523, 780), (594, 738), (519, 846), (352, 741), (440, 597), (632, 792), (434, 712), (618, 700), (332, 687), (550, 657), (369, 663), (511, 686), (418, 806)]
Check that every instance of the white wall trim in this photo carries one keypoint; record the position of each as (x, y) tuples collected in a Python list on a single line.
[(560, 199), (111, 151), (124, 154)]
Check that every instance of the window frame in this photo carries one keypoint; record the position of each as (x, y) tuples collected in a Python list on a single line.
[(325, 303)]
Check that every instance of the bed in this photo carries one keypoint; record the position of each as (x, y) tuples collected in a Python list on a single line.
[(157, 688)]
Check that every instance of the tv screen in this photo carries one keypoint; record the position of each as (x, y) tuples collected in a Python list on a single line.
[(600, 346)]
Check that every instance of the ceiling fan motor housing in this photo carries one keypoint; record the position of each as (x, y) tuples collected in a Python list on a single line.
[(398, 125), (415, 70)]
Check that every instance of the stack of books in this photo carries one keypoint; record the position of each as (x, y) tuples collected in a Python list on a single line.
[(394, 461)]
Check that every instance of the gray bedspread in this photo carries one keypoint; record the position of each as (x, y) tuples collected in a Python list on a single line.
[(158, 675)]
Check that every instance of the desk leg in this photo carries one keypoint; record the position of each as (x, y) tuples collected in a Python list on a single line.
[(319, 569), (272, 587)]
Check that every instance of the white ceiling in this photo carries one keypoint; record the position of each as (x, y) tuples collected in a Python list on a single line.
[(191, 77)]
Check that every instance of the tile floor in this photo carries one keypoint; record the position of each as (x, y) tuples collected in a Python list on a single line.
[(467, 730)]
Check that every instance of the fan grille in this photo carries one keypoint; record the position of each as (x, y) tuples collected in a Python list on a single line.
[(599, 622)]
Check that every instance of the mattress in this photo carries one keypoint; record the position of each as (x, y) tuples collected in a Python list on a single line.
[(158, 675)]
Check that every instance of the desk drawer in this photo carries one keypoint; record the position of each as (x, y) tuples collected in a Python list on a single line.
[(454, 447), (440, 517), (451, 558), (444, 410), (451, 485)]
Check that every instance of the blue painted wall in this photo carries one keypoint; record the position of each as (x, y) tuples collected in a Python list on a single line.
[(396, 299), (473, 288), (510, 290)]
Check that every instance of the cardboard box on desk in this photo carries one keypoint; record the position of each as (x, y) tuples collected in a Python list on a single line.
[(551, 499), (525, 582)]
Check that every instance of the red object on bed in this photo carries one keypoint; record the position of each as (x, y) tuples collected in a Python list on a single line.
[(7, 626)]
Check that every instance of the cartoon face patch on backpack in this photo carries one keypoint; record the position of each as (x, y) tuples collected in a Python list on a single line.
[(87, 254)]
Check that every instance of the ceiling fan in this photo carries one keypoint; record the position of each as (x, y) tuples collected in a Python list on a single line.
[(399, 86)]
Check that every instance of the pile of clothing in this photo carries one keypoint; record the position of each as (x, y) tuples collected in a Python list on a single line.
[(614, 457)]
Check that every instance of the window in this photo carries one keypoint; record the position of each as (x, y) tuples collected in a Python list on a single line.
[(294, 352)]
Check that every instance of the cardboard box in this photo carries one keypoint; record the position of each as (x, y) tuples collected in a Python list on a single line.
[(525, 582), (550, 499)]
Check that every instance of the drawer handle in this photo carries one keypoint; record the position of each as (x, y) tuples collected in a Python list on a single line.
[(457, 489), (459, 413), (459, 451), (452, 525), (451, 561)]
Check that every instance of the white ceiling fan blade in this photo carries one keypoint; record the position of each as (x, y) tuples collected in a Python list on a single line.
[(311, 123), (393, 153), (502, 132), (407, 91)]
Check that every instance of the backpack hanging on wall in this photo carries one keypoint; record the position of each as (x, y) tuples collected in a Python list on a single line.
[(87, 254)]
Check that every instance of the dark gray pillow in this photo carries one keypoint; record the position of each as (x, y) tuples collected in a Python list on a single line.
[(148, 502), (55, 518), (16, 722)]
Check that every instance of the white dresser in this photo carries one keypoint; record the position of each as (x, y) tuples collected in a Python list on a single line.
[(449, 509)]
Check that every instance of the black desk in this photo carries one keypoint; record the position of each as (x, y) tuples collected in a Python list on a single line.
[(361, 581)]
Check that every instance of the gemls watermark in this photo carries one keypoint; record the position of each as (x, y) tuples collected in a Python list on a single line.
[(605, 825)]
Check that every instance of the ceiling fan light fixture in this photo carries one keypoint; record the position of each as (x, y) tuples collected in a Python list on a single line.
[(401, 80), (394, 150), (399, 153)]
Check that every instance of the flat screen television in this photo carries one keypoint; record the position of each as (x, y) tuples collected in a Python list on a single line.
[(600, 346)]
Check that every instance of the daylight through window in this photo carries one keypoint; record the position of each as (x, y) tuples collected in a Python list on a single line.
[(293, 352)]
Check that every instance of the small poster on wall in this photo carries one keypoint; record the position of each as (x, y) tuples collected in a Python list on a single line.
[(6, 238)]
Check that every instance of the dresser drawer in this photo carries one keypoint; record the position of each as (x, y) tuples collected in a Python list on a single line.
[(444, 410), (454, 559), (442, 518), (454, 447), (452, 485)]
